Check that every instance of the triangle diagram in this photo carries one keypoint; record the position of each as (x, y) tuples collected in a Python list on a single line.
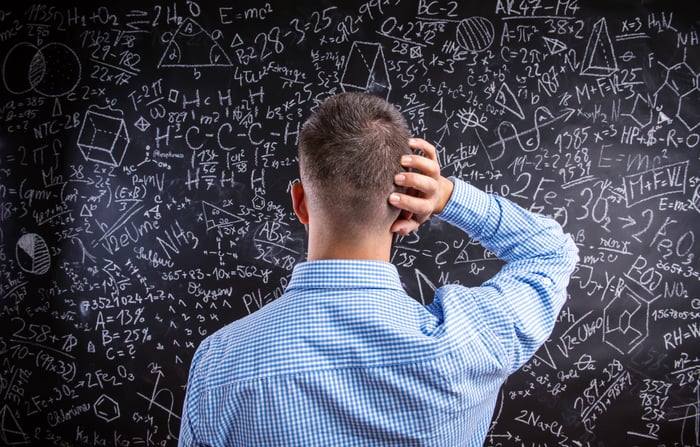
[(191, 46), (426, 288), (599, 59), (10, 431), (155, 210), (215, 217), (237, 41), (57, 109), (506, 99), (555, 46), (438, 106)]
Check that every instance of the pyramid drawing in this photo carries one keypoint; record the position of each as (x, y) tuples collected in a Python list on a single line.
[(192, 46), (366, 70), (599, 59)]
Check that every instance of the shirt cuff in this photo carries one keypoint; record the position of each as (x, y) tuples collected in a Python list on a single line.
[(468, 206)]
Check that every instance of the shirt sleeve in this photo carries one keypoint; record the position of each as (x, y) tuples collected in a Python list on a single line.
[(190, 414), (518, 305)]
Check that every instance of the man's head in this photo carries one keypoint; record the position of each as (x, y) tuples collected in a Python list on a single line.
[(349, 151)]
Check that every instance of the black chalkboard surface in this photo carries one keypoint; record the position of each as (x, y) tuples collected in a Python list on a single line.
[(146, 152)]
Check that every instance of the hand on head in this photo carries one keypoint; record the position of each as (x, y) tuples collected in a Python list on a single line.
[(427, 192)]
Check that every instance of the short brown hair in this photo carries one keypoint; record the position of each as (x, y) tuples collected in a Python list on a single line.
[(349, 151)]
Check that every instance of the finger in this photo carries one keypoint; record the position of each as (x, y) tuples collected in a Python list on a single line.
[(416, 205), (404, 226), (423, 146), (421, 164), (418, 182)]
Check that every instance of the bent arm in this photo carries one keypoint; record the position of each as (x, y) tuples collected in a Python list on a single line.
[(516, 308), (524, 298)]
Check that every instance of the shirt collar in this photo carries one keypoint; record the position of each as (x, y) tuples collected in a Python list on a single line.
[(345, 274)]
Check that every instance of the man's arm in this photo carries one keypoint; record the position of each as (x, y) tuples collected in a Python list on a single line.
[(521, 302)]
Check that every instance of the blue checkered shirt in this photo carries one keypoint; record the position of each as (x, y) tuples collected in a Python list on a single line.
[(346, 358)]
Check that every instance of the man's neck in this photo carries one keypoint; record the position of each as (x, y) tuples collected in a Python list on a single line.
[(324, 246)]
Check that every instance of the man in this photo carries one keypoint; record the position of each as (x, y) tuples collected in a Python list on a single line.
[(345, 356)]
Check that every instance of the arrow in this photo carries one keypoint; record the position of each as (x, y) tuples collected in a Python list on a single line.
[(630, 221)]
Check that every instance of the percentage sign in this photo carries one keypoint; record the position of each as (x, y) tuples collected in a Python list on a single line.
[(146, 335), (138, 318)]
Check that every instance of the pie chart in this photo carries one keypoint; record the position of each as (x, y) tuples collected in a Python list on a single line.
[(33, 254)]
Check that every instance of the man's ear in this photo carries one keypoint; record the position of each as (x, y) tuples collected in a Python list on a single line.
[(299, 202)]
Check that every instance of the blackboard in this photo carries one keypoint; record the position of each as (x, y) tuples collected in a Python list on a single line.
[(146, 153)]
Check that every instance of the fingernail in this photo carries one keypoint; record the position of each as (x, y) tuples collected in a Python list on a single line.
[(394, 198), (399, 178), (406, 159)]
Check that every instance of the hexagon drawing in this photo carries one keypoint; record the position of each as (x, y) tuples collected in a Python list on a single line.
[(679, 93), (687, 109), (106, 408), (626, 321)]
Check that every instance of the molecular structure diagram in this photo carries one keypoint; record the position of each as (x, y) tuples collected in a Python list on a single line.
[(680, 93)]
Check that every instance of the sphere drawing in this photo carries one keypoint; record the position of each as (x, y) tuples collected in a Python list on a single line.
[(475, 34), (32, 254)]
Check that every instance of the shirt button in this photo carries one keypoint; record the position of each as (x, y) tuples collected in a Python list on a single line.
[(547, 282)]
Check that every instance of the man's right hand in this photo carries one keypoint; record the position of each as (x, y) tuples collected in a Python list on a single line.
[(427, 192)]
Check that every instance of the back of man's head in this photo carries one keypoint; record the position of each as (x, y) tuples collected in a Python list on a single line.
[(349, 151)]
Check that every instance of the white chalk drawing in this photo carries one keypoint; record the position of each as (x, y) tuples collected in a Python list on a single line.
[(626, 320), (641, 112), (216, 217), (11, 432), (191, 46), (426, 288), (469, 119), (52, 70), (142, 124), (103, 136), (475, 34), (106, 408), (545, 356), (167, 404), (599, 58), (366, 70), (679, 94), (681, 77), (506, 99), (554, 46), (655, 182), (32, 254), (528, 140)]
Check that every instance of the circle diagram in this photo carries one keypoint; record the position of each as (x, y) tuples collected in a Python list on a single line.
[(52, 70), (33, 254)]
